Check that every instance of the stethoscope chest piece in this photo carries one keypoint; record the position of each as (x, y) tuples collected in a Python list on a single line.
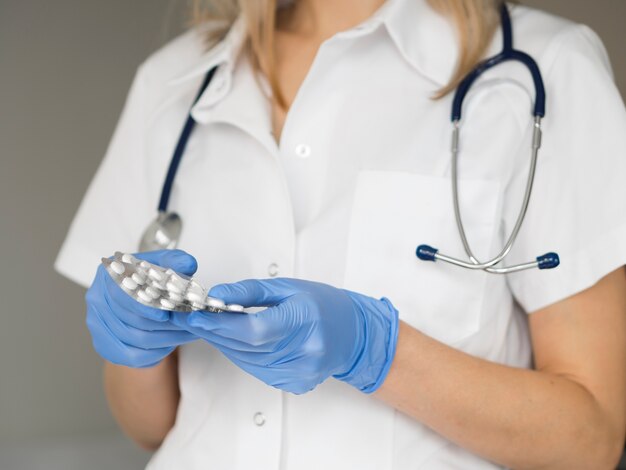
[(163, 233)]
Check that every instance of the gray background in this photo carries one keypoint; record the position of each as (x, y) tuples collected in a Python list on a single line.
[(65, 68)]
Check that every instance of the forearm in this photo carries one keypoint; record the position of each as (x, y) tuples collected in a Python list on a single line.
[(516, 417), (144, 401)]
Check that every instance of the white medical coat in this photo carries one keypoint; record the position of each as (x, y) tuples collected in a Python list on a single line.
[(364, 156)]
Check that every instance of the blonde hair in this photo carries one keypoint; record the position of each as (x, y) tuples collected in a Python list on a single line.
[(475, 22)]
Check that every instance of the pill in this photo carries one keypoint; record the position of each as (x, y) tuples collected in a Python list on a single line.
[(175, 296), (197, 306), (152, 292), (117, 267), (173, 287), (215, 303), (157, 285), (129, 283), (178, 279), (168, 304), (128, 258), (170, 272), (144, 296), (234, 308), (193, 285), (194, 296), (145, 265), (139, 279), (154, 274)]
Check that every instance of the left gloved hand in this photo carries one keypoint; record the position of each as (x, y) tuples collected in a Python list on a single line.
[(126, 332), (310, 331)]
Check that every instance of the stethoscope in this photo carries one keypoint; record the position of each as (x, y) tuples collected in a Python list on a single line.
[(546, 261), (164, 232)]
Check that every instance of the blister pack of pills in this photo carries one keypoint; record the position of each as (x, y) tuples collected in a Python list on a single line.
[(162, 288)]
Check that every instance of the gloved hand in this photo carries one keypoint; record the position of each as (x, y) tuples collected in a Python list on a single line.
[(126, 332), (311, 331)]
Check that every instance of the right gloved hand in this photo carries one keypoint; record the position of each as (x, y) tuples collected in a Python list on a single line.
[(124, 331)]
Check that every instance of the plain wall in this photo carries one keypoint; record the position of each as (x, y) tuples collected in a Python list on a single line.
[(65, 68)]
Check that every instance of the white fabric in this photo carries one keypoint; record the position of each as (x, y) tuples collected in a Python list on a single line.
[(378, 156)]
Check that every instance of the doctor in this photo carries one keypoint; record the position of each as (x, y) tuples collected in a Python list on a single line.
[(319, 161)]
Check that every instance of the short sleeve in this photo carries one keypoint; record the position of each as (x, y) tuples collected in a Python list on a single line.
[(116, 202), (578, 201)]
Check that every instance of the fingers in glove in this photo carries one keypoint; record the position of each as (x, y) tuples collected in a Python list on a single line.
[(260, 330), (117, 352), (256, 292), (140, 338), (179, 319), (146, 324), (178, 260), (122, 304)]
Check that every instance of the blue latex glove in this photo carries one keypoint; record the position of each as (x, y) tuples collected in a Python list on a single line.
[(126, 332), (310, 332)]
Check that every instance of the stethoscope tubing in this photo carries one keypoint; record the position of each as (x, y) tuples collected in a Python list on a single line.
[(546, 261), (488, 265), (190, 123)]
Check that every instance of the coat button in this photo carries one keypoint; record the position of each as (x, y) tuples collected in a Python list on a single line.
[(272, 270), (259, 419), (303, 150)]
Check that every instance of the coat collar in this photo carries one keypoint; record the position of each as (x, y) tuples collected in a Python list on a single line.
[(223, 54), (424, 38)]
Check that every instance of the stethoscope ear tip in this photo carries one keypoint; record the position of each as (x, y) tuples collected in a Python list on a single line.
[(548, 261), (426, 252)]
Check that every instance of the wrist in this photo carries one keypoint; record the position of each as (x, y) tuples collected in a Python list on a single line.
[(378, 344)]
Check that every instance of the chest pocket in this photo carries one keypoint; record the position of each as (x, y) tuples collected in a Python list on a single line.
[(392, 213)]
